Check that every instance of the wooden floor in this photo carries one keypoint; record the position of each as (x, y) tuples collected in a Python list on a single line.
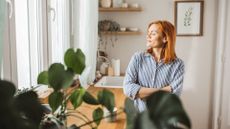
[(88, 109)]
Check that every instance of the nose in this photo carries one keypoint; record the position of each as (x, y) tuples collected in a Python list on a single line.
[(147, 36)]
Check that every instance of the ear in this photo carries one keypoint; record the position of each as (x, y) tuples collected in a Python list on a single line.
[(164, 40)]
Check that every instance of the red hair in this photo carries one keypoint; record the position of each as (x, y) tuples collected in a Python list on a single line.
[(169, 32)]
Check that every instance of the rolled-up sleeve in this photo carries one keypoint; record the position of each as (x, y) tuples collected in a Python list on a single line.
[(177, 82), (130, 86)]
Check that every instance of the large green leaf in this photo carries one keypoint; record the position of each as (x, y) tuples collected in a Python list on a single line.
[(7, 90), (43, 78), (166, 110), (106, 98), (75, 60), (88, 98), (131, 113), (17, 112), (98, 115), (27, 103), (55, 100), (76, 97), (59, 77), (143, 121)]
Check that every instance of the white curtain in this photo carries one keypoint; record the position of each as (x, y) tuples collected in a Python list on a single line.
[(220, 65), (85, 20), (2, 19), (58, 29)]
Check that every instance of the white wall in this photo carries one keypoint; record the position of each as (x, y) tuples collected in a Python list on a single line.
[(198, 53)]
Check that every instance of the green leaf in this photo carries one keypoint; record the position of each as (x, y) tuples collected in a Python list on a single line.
[(27, 103), (106, 98), (131, 113), (73, 126), (97, 115), (7, 90), (88, 98), (75, 60), (55, 100), (166, 110), (59, 77), (43, 78), (143, 121), (76, 97)]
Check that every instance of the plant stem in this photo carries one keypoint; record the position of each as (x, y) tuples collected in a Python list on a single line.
[(79, 117), (76, 111), (117, 113)]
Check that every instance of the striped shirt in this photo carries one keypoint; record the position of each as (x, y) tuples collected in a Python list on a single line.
[(144, 71)]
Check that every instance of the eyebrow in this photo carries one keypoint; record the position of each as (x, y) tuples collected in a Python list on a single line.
[(153, 31)]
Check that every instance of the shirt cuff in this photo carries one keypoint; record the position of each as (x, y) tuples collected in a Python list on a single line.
[(134, 91)]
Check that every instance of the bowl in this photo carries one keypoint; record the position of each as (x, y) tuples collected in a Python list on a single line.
[(123, 29), (133, 29), (134, 5)]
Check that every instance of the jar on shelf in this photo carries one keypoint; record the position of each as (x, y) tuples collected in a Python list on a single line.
[(117, 3), (106, 3)]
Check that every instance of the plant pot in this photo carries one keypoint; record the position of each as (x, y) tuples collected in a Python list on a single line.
[(106, 3)]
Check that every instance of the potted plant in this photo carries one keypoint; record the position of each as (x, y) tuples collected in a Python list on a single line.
[(60, 77)]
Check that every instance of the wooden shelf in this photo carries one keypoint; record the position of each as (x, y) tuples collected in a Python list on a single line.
[(120, 9), (121, 33)]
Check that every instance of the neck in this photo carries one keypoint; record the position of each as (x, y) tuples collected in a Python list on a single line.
[(156, 53)]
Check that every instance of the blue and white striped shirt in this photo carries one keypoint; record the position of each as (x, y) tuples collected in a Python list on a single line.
[(144, 71)]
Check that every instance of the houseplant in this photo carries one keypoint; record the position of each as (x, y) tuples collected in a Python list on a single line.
[(18, 111), (60, 77)]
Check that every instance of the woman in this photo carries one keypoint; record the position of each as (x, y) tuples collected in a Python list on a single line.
[(158, 68)]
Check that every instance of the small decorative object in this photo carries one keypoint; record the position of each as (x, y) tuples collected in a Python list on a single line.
[(108, 25), (134, 5), (106, 3), (104, 25), (117, 3), (123, 29), (116, 66), (133, 29), (189, 17), (124, 5)]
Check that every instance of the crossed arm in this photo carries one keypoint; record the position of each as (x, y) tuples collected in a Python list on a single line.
[(145, 92)]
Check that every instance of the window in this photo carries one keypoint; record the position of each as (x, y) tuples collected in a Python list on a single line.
[(24, 44)]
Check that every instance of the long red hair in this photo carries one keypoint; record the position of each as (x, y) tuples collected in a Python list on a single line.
[(169, 32)]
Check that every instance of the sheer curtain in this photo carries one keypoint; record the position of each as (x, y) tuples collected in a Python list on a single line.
[(85, 33), (2, 19), (58, 29)]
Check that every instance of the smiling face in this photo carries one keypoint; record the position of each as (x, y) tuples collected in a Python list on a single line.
[(155, 38)]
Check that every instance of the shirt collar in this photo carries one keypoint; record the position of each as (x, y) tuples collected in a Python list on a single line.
[(147, 54)]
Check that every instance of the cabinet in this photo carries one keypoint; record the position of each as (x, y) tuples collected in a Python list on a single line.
[(127, 32)]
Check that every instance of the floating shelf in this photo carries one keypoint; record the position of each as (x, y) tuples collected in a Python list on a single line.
[(121, 33), (120, 9)]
